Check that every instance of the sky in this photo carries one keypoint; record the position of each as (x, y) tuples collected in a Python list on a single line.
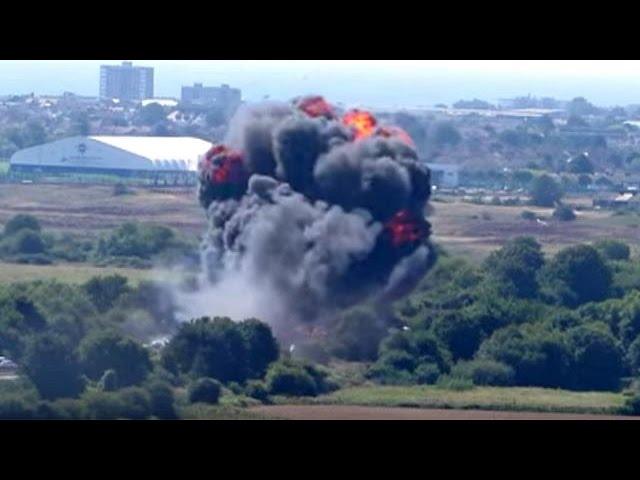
[(375, 83)]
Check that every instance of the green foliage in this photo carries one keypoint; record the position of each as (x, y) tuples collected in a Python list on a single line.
[(205, 390), (538, 356), (152, 113), (461, 333), (545, 191), (105, 350), (426, 373), (23, 242), (136, 240), (53, 367), (564, 213), (257, 389), (528, 215), (613, 249), (129, 403), (104, 291), (357, 334), (577, 275), (457, 384), (21, 222), (221, 349), (581, 164), (485, 372), (295, 379), (109, 381), (161, 400), (262, 347), (445, 133), (597, 358), (515, 266)]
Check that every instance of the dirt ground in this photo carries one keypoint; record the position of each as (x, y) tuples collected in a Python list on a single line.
[(342, 412)]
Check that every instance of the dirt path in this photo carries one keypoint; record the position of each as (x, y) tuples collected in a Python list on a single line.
[(345, 412)]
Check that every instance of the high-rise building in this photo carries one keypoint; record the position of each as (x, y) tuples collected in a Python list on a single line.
[(224, 96), (126, 82)]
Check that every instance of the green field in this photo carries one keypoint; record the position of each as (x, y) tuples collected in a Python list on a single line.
[(66, 272), (484, 398)]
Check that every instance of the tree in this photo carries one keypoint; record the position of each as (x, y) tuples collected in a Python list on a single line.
[(578, 275), (161, 400), (53, 367), (25, 242), (105, 350), (564, 213), (21, 222), (262, 347), (205, 390), (580, 106), (515, 266), (545, 191), (538, 357), (460, 333), (208, 347), (581, 164), (613, 249), (597, 358), (152, 114), (104, 291), (445, 133), (288, 378), (358, 334)]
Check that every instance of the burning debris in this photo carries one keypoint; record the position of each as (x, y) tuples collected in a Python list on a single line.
[(318, 211)]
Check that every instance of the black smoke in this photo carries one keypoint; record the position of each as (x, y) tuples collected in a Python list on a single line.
[(301, 210)]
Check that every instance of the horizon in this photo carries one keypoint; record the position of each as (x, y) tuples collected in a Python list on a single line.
[(374, 83)]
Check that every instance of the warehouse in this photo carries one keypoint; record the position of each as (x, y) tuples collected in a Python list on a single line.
[(164, 159)]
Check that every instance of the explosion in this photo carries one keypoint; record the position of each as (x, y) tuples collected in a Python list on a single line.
[(362, 123), (312, 212)]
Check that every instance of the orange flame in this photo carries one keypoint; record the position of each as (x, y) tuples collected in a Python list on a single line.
[(316, 106), (405, 228), (363, 123), (392, 131), (223, 165)]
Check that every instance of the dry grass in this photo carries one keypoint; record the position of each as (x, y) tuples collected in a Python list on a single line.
[(69, 273)]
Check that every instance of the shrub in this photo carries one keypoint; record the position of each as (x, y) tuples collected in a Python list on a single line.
[(545, 191), (207, 347), (120, 189), (528, 215), (448, 382), (358, 334), (485, 372), (106, 350), (161, 400), (632, 405), (460, 333), (135, 403), (109, 381), (24, 242), (387, 375), (258, 390), (53, 367), (288, 378), (564, 213), (261, 346), (104, 291), (205, 390), (613, 249), (426, 373), (21, 222), (398, 360), (14, 407)]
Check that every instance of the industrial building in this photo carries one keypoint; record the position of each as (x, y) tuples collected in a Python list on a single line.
[(126, 82), (159, 159), (444, 175)]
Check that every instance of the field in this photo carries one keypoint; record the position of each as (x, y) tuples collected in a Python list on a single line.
[(342, 412), (66, 272)]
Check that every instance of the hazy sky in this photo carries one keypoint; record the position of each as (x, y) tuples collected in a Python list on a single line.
[(403, 83)]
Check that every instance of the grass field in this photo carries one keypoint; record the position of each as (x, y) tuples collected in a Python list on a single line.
[(69, 273), (480, 398)]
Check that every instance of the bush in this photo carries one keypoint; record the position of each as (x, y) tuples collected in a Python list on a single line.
[(291, 379), (358, 334), (109, 381), (528, 215), (261, 346), (21, 222), (485, 372), (120, 189), (53, 367), (258, 390), (387, 375), (460, 333), (564, 213), (448, 382), (129, 403), (104, 291), (205, 390), (632, 405), (398, 360), (105, 350), (545, 191), (161, 400), (426, 373), (24, 242), (15, 407), (613, 249)]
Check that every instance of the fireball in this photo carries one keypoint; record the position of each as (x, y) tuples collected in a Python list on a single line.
[(316, 106), (406, 228), (361, 122), (392, 131)]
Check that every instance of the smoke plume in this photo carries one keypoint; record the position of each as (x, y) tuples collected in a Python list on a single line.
[(310, 211)]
